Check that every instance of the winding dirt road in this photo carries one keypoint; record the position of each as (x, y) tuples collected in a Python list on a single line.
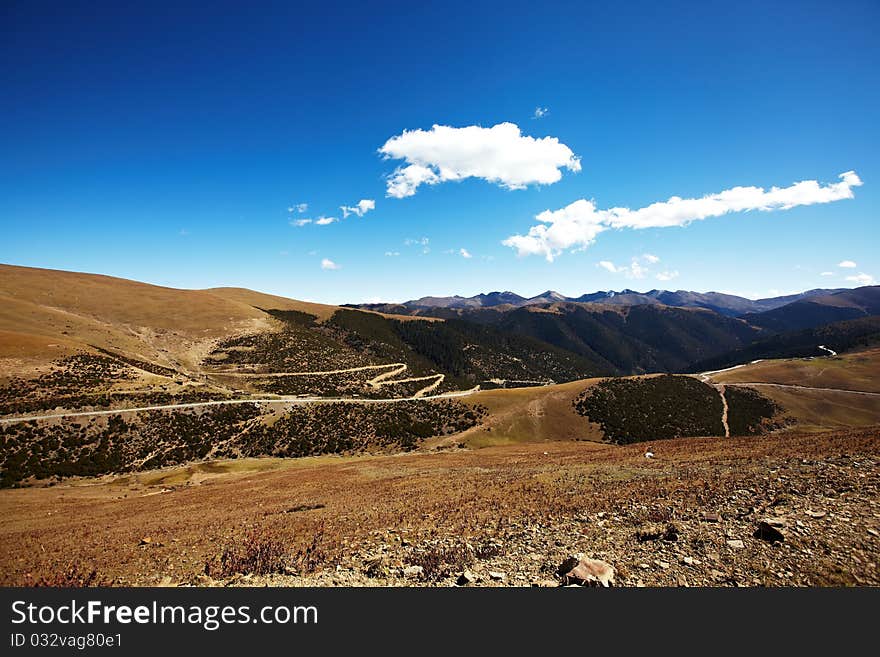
[(293, 401)]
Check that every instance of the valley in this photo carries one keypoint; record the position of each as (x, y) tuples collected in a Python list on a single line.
[(384, 441)]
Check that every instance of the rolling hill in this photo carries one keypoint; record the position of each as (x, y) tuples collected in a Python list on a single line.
[(838, 336), (819, 310)]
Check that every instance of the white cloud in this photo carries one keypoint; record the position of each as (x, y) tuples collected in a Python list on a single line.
[(862, 279), (465, 253), (299, 223), (325, 221), (410, 241), (578, 224), (651, 258), (327, 263), (392, 254), (299, 207), (363, 206), (667, 275), (847, 264), (540, 112), (826, 273), (634, 270), (500, 154)]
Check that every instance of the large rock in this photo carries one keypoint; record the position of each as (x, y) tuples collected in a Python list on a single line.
[(587, 572), (771, 529), (467, 577)]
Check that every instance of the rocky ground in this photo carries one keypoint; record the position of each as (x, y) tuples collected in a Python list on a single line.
[(803, 523), (783, 510)]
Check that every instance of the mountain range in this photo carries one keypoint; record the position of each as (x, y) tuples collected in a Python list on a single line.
[(724, 304), (45, 315)]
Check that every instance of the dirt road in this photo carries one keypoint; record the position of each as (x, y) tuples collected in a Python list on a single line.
[(225, 402)]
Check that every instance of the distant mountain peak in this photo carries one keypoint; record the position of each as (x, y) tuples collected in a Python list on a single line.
[(724, 304)]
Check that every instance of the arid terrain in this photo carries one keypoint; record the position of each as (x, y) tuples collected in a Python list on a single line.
[(688, 516), (216, 437)]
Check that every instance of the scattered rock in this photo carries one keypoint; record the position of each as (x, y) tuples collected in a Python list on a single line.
[(467, 577), (413, 571), (710, 517), (545, 584), (736, 544), (497, 575), (770, 529), (589, 572), (816, 514)]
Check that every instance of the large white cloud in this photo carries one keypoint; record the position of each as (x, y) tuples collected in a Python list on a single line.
[(577, 225), (500, 154)]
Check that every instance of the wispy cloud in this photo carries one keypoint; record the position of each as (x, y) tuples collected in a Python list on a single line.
[(540, 112), (328, 264), (500, 154), (636, 269), (847, 264), (299, 223), (409, 241), (392, 254), (632, 270), (577, 225), (826, 273), (360, 209), (862, 279), (299, 207), (464, 253), (325, 221)]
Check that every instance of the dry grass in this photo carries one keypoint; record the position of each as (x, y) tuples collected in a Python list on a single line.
[(820, 410), (43, 307), (467, 494), (534, 414), (853, 371)]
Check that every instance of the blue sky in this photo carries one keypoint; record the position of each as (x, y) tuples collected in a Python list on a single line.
[(167, 144)]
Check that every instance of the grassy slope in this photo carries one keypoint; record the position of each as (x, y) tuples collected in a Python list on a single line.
[(816, 410), (854, 371), (822, 410), (521, 415), (46, 313)]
